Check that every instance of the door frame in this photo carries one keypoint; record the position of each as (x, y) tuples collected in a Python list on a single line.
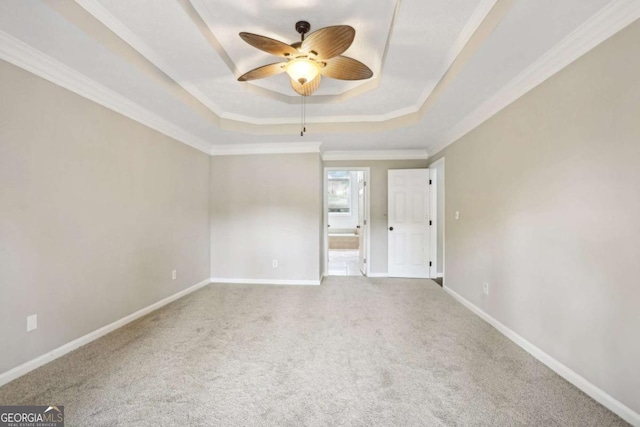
[(433, 227), (440, 181), (367, 209)]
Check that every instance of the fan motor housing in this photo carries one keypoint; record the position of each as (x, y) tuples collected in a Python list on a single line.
[(303, 27)]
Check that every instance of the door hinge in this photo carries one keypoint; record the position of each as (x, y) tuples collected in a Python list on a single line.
[(430, 264), (429, 182), (365, 222), (364, 261), (430, 222)]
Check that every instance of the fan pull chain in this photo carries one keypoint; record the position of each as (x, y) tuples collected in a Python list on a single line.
[(303, 116)]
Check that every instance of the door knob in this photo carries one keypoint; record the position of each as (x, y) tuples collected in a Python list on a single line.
[(390, 228), (357, 226)]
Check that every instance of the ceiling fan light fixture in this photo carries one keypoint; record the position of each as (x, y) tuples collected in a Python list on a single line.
[(311, 59), (302, 70)]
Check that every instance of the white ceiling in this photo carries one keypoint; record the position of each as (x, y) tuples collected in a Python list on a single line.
[(440, 67)]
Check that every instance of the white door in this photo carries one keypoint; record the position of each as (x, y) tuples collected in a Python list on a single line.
[(408, 223), (362, 222)]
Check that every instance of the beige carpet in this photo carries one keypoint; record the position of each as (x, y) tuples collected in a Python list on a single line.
[(354, 351)]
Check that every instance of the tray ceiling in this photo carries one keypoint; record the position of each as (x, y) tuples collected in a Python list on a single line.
[(440, 68)]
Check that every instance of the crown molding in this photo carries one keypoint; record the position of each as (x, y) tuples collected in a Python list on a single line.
[(99, 12), (376, 155), (267, 148), (199, 15), (26, 57), (608, 21), (193, 10), (229, 121), (477, 18)]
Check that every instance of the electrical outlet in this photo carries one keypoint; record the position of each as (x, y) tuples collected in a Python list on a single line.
[(275, 263), (457, 215), (174, 274), (485, 288), (32, 322)]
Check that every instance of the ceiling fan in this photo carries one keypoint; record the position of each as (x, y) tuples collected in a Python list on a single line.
[(312, 57)]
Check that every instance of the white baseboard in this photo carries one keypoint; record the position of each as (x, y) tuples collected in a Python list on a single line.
[(623, 411), (378, 275), (29, 366), (264, 281)]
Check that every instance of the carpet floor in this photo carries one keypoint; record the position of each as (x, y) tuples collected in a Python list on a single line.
[(355, 351)]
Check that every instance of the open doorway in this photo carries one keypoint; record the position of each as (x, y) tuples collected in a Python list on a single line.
[(346, 213)]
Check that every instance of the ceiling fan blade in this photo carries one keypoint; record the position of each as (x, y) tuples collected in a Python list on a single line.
[(308, 88), (266, 44), (329, 41), (262, 72), (345, 68)]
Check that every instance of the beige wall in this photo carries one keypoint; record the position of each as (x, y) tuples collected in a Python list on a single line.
[(266, 207), (549, 197), (378, 203), (96, 210)]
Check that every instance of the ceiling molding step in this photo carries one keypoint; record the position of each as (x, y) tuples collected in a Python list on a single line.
[(267, 148), (477, 18), (26, 57), (441, 146), (99, 12), (200, 15), (376, 155), (328, 120), (608, 21)]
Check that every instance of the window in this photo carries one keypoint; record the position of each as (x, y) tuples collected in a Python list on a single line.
[(339, 191)]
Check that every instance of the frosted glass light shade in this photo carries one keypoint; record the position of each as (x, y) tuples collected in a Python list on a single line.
[(302, 70)]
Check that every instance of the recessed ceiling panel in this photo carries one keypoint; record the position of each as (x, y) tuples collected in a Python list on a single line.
[(407, 44), (276, 19)]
